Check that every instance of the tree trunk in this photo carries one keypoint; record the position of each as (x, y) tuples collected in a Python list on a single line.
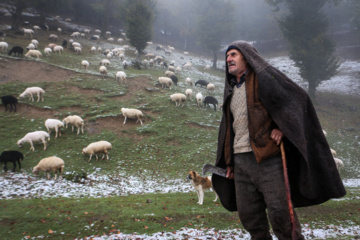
[(214, 59)]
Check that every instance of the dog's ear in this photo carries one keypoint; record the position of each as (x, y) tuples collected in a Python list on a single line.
[(194, 173)]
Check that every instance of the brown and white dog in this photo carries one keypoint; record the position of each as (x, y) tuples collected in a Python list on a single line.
[(200, 184)]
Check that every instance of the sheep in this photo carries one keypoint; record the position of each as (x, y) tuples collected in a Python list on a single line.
[(35, 42), (120, 75), (54, 124), (78, 50), (98, 147), (210, 87), (36, 136), (33, 53), (199, 99), (171, 68), (165, 81), (53, 37), (33, 90), (47, 51), (188, 93), (50, 164), (85, 64), (17, 51), (75, 35), (59, 30), (202, 83), (51, 45), (103, 71), (178, 98), (188, 81), (339, 164), (4, 46), (76, 121), (28, 32), (210, 100), (64, 43), (93, 49), (31, 46), (9, 100), (11, 156), (132, 113), (36, 27), (187, 66), (105, 62), (174, 79), (58, 49)]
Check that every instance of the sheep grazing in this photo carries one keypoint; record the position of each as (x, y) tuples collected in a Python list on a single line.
[(105, 62), (11, 156), (202, 83), (174, 79), (53, 37), (98, 147), (17, 51), (188, 93), (199, 99), (132, 113), (85, 64), (33, 90), (58, 49), (31, 46), (210, 87), (339, 163), (47, 51), (50, 164), (187, 66), (28, 32), (178, 98), (169, 73), (33, 53), (37, 136), (103, 71), (165, 81), (54, 124), (210, 100), (93, 49), (35, 42), (9, 100), (76, 121), (120, 75), (188, 81)]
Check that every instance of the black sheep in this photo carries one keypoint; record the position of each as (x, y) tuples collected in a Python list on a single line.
[(174, 79), (17, 51), (8, 99), (11, 156), (202, 83), (64, 43), (210, 100)]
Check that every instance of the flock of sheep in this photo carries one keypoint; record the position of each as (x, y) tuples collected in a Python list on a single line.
[(56, 164)]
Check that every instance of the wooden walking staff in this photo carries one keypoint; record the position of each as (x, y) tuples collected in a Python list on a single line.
[(287, 188)]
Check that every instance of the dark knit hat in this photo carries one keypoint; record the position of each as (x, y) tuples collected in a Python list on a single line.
[(232, 47)]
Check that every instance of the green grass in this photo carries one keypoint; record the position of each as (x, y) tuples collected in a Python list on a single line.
[(173, 141)]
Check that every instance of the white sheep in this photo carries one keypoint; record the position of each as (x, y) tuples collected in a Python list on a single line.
[(33, 53), (47, 51), (187, 65), (32, 91), (178, 98), (36, 27), (28, 32), (78, 50), (210, 87), (85, 64), (169, 73), (188, 81), (98, 147), (339, 164), (120, 75), (188, 93), (50, 164), (105, 62), (58, 49), (35, 42), (75, 35), (76, 121), (171, 68), (165, 81), (199, 99), (4, 46), (132, 113), (31, 46), (54, 124), (59, 30), (37, 136), (53, 37), (103, 71), (93, 49)]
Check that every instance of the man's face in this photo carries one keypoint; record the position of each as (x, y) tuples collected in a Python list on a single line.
[(236, 63)]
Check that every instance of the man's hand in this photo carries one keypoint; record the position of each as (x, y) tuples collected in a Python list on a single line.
[(230, 172), (276, 135)]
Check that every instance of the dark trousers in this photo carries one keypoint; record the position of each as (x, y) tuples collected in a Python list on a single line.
[(261, 187)]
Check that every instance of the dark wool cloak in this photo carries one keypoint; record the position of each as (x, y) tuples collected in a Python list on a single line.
[(313, 176)]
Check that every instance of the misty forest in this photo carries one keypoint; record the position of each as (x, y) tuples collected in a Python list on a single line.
[(107, 64)]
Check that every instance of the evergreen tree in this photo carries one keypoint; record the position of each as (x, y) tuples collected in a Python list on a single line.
[(214, 24), (139, 23), (305, 29)]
